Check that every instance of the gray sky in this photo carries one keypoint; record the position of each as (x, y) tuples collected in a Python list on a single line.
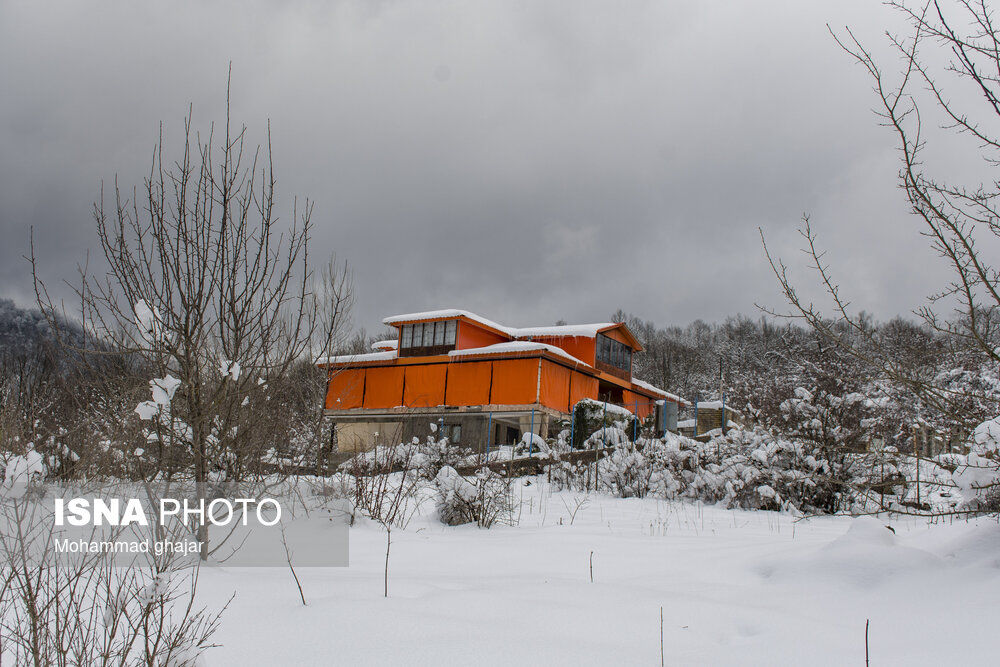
[(527, 160)]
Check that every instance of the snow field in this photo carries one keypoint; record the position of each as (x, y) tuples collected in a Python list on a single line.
[(736, 587)]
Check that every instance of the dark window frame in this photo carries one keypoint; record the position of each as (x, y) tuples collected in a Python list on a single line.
[(614, 353), (428, 338)]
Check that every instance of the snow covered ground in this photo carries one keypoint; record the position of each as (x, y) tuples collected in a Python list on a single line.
[(736, 588)]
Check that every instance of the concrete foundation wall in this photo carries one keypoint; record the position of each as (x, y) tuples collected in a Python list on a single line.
[(362, 436), (475, 431)]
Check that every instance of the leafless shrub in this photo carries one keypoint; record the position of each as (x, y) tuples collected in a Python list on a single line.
[(485, 499), (384, 495), (86, 610)]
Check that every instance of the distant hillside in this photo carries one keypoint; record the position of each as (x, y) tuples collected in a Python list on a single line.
[(23, 329)]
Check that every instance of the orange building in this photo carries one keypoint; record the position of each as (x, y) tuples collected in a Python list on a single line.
[(482, 382)]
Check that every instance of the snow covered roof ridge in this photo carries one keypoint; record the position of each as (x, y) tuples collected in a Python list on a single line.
[(387, 355), (583, 330), (656, 390), (442, 314), (516, 346)]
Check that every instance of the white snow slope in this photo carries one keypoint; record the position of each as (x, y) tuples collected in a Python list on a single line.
[(736, 588)]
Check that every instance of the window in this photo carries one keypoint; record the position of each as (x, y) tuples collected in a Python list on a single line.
[(428, 338), (453, 432), (439, 333), (614, 353)]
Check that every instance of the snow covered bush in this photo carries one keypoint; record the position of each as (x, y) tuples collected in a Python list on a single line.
[(22, 469), (484, 499), (531, 444), (836, 422), (977, 475), (627, 472), (590, 417), (385, 458), (749, 469), (425, 458), (635, 470)]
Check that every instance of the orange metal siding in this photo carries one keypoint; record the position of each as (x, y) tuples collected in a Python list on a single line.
[(469, 383), (638, 404), (555, 386), (515, 381), (641, 406), (425, 385), (581, 387), (384, 387), (470, 336), (617, 335), (628, 400), (346, 389), (581, 347)]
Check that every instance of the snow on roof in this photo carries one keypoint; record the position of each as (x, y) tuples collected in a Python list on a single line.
[(604, 405), (442, 314), (356, 358), (498, 348), (516, 346), (385, 344), (659, 392), (584, 330), (716, 405)]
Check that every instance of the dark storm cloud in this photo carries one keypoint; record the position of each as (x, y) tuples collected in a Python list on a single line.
[(530, 161)]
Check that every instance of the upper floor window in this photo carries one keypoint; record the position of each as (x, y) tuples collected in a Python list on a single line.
[(428, 337), (614, 353)]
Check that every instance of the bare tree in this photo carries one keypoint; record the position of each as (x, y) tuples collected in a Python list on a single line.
[(215, 298), (959, 220), (946, 90), (385, 484)]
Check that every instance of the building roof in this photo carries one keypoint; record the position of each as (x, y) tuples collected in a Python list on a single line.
[(569, 330), (517, 346), (357, 358), (659, 392)]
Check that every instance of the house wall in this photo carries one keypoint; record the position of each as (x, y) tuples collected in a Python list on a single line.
[(424, 385), (515, 382), (346, 389), (474, 429), (554, 386), (469, 383), (581, 387), (711, 418), (383, 387), (361, 436), (472, 336), (581, 347)]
